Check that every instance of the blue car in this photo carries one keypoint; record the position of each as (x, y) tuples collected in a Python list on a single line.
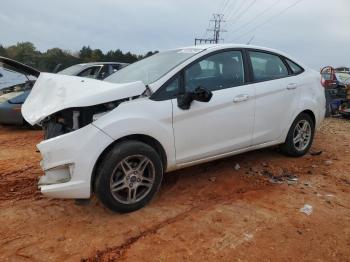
[(14, 94)]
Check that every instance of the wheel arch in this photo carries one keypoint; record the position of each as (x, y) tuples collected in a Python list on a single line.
[(152, 142), (310, 113)]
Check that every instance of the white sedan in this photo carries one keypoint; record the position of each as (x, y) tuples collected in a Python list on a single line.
[(178, 108)]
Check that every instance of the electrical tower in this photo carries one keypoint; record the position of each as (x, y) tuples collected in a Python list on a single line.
[(217, 20)]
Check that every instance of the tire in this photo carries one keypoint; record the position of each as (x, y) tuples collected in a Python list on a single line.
[(129, 176), (304, 124)]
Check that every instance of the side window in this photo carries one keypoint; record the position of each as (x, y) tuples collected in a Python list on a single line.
[(115, 67), (215, 72), (267, 66), (296, 69), (104, 72), (169, 90), (91, 72)]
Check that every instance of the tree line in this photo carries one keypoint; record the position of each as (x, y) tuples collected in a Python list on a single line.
[(57, 59)]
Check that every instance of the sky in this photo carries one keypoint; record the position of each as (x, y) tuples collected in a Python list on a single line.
[(313, 31)]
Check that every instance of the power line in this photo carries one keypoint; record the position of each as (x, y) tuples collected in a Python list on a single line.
[(257, 16), (268, 20), (245, 10), (231, 7), (224, 9), (238, 9)]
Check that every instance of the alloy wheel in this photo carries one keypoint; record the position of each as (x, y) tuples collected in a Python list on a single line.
[(132, 179), (302, 135)]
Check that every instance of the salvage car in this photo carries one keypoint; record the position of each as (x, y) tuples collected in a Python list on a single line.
[(337, 89), (175, 109), (16, 91)]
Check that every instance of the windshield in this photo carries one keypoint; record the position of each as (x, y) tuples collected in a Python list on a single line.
[(72, 70), (152, 68)]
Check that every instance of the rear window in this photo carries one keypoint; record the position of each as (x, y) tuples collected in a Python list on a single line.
[(267, 66), (296, 69)]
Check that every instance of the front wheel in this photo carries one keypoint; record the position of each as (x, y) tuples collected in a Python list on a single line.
[(129, 176), (300, 136)]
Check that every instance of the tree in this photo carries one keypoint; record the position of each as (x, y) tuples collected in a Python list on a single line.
[(85, 54), (2, 51), (49, 60)]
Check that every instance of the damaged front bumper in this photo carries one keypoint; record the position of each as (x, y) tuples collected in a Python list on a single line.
[(69, 160)]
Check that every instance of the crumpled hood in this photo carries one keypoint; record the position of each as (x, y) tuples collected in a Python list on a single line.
[(52, 93)]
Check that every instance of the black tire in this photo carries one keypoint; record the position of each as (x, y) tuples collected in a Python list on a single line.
[(289, 148), (111, 167)]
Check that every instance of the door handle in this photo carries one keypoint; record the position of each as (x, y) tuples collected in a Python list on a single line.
[(240, 98), (292, 86)]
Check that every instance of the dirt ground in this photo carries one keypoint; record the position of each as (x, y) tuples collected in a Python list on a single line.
[(213, 212)]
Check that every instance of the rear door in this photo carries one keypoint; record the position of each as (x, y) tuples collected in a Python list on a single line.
[(277, 95), (225, 123)]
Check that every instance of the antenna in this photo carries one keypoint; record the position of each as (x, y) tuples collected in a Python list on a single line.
[(250, 40)]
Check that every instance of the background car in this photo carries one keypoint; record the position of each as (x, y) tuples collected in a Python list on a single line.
[(23, 77), (96, 70), (337, 88), (10, 78)]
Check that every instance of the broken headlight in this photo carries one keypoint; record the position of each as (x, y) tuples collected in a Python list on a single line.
[(72, 119)]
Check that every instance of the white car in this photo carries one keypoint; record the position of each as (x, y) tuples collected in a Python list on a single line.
[(178, 108)]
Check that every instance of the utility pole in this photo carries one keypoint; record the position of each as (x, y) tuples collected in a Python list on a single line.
[(217, 20)]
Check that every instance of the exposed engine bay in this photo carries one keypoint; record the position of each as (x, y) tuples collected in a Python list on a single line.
[(72, 119)]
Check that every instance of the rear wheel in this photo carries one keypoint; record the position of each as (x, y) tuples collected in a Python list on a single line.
[(129, 176), (300, 136)]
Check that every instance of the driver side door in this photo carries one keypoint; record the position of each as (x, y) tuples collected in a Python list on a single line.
[(225, 123)]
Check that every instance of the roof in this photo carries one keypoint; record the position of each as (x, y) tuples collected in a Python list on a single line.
[(228, 45), (231, 45)]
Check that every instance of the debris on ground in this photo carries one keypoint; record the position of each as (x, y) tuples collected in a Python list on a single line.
[(248, 237), (316, 153), (212, 179), (306, 209), (328, 162), (237, 167), (285, 177), (307, 184)]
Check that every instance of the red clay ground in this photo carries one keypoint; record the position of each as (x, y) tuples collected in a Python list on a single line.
[(210, 212)]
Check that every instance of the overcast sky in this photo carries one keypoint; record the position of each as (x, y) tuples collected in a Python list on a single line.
[(316, 32)]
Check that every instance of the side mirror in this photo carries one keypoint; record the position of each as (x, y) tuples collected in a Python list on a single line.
[(200, 94)]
